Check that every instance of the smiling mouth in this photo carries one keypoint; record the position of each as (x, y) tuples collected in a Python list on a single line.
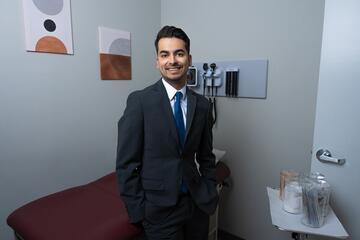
[(173, 68)]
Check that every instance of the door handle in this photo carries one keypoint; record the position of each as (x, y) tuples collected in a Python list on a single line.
[(325, 156)]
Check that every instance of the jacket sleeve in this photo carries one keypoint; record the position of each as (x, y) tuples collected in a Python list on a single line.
[(205, 156), (129, 158)]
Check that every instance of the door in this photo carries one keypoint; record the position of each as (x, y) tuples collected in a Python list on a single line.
[(337, 122)]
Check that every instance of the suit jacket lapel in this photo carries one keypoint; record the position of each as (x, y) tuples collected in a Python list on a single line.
[(166, 106), (191, 105)]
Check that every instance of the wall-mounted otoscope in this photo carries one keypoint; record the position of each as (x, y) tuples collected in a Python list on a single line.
[(211, 79), (205, 68), (212, 67)]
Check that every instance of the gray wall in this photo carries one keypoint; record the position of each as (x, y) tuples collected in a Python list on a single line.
[(57, 118), (261, 137)]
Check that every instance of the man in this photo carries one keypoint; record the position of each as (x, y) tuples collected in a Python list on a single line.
[(164, 127)]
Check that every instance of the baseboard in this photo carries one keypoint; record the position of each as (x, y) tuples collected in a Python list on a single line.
[(223, 235)]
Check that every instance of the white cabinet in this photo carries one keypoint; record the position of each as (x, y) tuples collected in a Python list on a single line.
[(213, 224)]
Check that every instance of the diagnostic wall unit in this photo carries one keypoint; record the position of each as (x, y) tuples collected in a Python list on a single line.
[(243, 78)]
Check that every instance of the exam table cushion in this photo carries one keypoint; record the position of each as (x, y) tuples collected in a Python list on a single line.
[(93, 211)]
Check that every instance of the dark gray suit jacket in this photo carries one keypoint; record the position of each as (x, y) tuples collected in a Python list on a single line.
[(150, 162)]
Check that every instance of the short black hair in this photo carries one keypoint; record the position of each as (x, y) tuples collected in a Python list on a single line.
[(169, 32)]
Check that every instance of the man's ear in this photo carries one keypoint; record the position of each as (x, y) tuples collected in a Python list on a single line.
[(190, 60), (157, 63)]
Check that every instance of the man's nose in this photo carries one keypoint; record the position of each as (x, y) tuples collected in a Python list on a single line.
[(172, 58)]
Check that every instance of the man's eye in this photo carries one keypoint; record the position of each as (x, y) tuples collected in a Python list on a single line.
[(180, 54), (163, 55)]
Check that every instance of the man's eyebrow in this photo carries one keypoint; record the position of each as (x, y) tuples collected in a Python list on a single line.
[(179, 50), (163, 51), (176, 51)]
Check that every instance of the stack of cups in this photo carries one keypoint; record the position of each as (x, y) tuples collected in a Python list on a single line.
[(285, 174), (292, 194)]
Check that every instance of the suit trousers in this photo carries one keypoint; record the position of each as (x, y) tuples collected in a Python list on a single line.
[(185, 221)]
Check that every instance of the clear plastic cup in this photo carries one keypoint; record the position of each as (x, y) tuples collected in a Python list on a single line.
[(285, 174), (292, 200)]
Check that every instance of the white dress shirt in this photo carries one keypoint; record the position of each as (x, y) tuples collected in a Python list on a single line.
[(171, 91)]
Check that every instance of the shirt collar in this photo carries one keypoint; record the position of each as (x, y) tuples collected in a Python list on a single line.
[(171, 91)]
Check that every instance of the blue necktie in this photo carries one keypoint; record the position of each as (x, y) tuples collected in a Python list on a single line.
[(179, 119)]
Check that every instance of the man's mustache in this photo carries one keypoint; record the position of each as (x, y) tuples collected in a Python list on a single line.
[(174, 65)]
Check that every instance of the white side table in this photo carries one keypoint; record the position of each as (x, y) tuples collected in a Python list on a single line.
[(292, 222)]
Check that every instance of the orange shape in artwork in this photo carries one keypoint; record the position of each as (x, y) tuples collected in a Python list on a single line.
[(51, 45), (115, 67)]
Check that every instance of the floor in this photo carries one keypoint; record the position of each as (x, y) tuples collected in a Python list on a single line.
[(222, 235)]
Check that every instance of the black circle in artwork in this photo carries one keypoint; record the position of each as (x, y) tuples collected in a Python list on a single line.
[(49, 25)]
